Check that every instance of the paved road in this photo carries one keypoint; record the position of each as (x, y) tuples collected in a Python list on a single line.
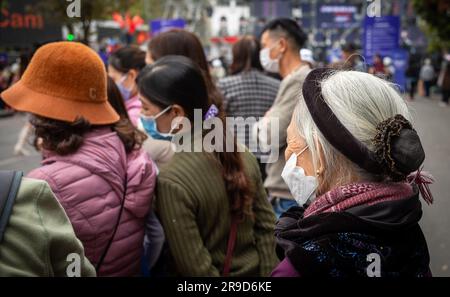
[(9, 129), (432, 123)]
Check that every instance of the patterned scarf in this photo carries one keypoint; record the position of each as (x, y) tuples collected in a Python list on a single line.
[(351, 195)]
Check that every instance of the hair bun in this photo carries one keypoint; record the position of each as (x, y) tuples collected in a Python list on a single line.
[(407, 151), (398, 147)]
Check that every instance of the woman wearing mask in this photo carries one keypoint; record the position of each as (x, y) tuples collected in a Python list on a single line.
[(212, 205), (91, 158), (181, 43), (354, 162), (116, 100), (123, 67), (154, 233)]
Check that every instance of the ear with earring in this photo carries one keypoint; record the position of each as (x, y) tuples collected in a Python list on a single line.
[(319, 170)]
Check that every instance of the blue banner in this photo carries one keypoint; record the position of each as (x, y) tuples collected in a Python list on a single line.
[(400, 62), (161, 26), (3, 58), (336, 16), (381, 36)]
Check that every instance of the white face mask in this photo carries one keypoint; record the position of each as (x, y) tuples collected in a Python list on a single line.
[(269, 64), (303, 188)]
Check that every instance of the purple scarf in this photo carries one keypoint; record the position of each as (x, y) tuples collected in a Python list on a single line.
[(351, 195)]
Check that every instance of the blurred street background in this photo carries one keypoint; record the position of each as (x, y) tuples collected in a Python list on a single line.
[(406, 35)]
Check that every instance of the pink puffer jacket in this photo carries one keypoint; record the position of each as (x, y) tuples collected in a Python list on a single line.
[(133, 106), (89, 185)]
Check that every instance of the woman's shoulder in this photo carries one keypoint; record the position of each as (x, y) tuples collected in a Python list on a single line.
[(184, 167), (34, 195), (59, 172), (32, 189), (47, 172), (186, 163)]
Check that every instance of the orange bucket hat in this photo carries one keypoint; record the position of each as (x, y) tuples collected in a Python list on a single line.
[(63, 81)]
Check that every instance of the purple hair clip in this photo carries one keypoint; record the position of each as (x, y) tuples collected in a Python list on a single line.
[(212, 112)]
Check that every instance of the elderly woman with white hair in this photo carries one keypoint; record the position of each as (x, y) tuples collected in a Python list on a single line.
[(354, 167)]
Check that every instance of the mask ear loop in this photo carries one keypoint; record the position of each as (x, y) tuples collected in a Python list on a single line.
[(302, 151), (123, 78), (274, 46), (281, 53), (163, 112), (158, 115)]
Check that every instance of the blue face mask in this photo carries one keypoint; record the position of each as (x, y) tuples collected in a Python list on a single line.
[(126, 93), (149, 124)]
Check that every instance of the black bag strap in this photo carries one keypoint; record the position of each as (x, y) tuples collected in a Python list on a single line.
[(102, 258), (9, 186)]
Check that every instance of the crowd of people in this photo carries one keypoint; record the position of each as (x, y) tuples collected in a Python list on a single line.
[(116, 188)]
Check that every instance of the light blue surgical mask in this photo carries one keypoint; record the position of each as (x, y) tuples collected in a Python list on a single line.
[(126, 93), (150, 126)]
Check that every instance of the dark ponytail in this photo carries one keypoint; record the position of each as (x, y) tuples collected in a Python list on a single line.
[(237, 183), (177, 80)]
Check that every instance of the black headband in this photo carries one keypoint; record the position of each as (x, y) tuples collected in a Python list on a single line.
[(330, 126)]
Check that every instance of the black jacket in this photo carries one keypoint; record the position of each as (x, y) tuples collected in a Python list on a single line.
[(339, 244)]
